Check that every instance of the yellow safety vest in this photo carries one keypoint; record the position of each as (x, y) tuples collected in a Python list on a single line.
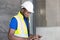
[(21, 28)]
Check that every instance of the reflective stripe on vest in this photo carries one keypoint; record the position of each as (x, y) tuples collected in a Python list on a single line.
[(21, 28)]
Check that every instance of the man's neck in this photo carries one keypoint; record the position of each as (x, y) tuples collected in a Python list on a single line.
[(22, 14)]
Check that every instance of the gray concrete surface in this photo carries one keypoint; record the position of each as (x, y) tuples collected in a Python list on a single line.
[(49, 33), (39, 15), (8, 8), (3, 36), (53, 12)]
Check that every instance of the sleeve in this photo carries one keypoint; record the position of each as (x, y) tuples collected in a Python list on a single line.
[(13, 23)]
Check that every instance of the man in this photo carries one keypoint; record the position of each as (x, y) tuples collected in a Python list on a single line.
[(19, 24)]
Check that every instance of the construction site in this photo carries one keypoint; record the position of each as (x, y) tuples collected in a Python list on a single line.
[(45, 20)]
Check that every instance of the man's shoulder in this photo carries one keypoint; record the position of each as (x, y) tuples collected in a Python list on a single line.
[(13, 19), (13, 23)]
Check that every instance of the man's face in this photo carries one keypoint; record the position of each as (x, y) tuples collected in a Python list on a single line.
[(26, 13)]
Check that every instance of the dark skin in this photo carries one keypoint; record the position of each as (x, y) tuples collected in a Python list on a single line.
[(12, 31)]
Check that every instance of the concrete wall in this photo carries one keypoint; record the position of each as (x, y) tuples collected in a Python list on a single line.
[(52, 31), (39, 15), (53, 12), (47, 13), (8, 8), (49, 33)]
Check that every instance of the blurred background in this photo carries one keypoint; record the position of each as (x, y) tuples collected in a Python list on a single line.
[(45, 21)]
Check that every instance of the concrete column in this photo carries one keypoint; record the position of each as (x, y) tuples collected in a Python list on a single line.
[(52, 13), (58, 12)]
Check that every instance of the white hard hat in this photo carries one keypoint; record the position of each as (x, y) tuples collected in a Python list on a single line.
[(28, 6)]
